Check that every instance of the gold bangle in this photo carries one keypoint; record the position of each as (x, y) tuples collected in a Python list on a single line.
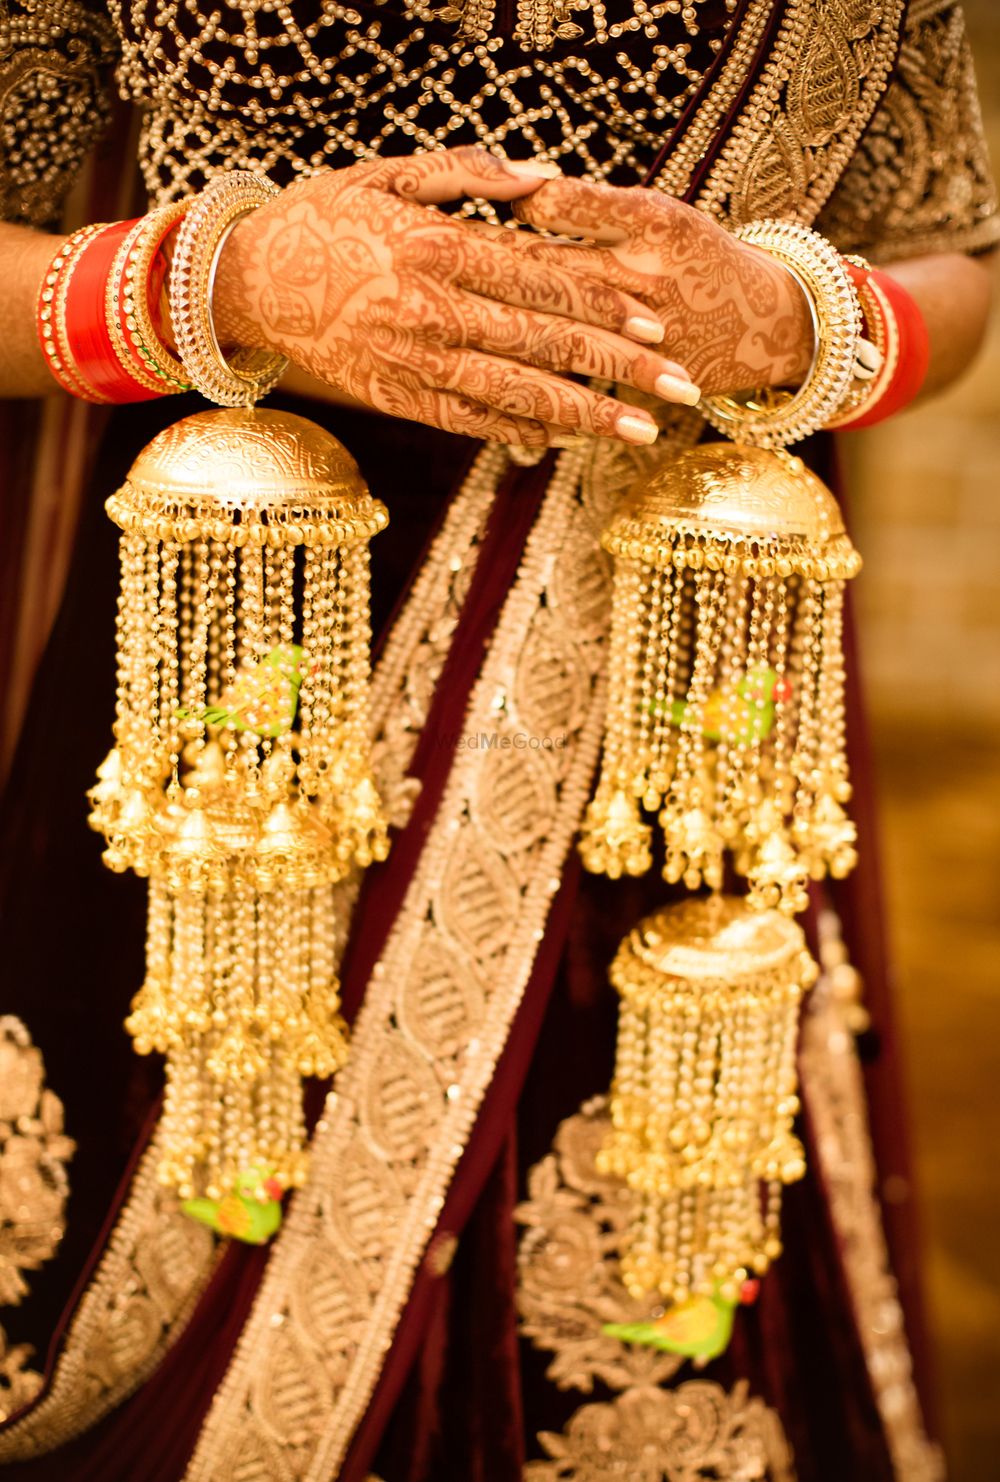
[(128, 358), (250, 374), (147, 357), (773, 419)]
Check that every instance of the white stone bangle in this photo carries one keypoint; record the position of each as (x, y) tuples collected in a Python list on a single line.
[(772, 418), (250, 374)]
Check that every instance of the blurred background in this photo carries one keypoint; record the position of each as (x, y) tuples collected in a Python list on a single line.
[(926, 514)]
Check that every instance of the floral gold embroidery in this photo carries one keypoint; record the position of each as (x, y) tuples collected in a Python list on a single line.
[(34, 1187), (687, 1434), (34, 1152), (18, 1383), (920, 180), (569, 1286), (568, 1279)]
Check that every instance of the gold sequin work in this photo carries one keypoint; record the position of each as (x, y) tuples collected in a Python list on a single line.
[(290, 88), (55, 60)]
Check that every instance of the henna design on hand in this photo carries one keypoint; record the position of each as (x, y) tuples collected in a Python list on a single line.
[(358, 278), (729, 311)]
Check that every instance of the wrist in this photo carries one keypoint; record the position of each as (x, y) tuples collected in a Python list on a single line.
[(778, 418), (789, 333), (232, 302)]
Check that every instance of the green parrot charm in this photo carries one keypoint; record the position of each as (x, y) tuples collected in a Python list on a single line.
[(698, 1328), (263, 697), (250, 1212), (742, 712)]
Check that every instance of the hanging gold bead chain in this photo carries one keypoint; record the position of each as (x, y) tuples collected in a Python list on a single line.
[(240, 781), (705, 1093)]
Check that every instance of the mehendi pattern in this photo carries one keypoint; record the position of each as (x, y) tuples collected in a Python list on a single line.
[(465, 306)]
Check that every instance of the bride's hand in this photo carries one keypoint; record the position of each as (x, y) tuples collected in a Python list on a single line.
[(364, 284), (734, 316)]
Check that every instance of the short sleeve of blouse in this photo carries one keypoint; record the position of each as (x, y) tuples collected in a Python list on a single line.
[(921, 181), (56, 65)]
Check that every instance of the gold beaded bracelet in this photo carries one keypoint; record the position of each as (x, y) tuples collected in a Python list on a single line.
[(129, 320), (250, 374), (773, 418)]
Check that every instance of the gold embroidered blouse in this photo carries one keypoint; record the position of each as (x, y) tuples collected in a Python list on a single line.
[(292, 87)]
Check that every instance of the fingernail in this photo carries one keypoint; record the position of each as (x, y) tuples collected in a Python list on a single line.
[(650, 331), (535, 169), (636, 429), (674, 388)]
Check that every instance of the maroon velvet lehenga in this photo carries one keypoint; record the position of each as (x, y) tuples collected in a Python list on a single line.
[(480, 1379)]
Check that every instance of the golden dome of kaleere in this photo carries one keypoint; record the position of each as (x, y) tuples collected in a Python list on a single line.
[(711, 938), (721, 500), (247, 475)]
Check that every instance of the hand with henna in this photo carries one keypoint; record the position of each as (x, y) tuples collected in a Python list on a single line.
[(730, 312), (358, 278)]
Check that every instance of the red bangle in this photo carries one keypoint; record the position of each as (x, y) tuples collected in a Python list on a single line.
[(902, 336), (50, 315), (96, 360), (82, 326), (133, 293)]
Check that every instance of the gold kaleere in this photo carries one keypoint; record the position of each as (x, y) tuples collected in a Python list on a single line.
[(240, 781), (705, 1093), (726, 677)]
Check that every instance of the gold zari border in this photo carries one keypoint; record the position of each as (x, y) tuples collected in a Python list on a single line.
[(834, 1095), (143, 1292), (828, 67), (434, 1022)]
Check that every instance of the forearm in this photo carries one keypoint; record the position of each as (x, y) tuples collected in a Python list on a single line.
[(953, 293), (24, 257)]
